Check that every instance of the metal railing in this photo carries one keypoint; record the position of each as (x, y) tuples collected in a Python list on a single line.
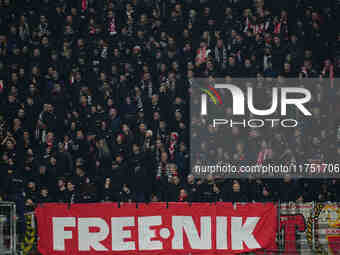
[(8, 236)]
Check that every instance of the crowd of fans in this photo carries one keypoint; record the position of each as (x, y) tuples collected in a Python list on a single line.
[(95, 94)]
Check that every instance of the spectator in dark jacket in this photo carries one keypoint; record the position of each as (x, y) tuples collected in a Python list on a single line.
[(233, 192)]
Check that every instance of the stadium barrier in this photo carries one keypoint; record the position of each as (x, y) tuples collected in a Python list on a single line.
[(29, 237), (309, 228), (8, 239), (304, 228)]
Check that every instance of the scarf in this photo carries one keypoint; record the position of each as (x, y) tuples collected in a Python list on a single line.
[(37, 133), (66, 145), (182, 198), (202, 54), (221, 60), (1, 86), (43, 28), (139, 103), (277, 28), (266, 62), (104, 52), (247, 25), (71, 79), (92, 30), (259, 28), (147, 88), (281, 28), (24, 32), (112, 26), (262, 156), (163, 170), (173, 142), (43, 135), (129, 14), (268, 40), (329, 71), (304, 71), (239, 57), (84, 5), (49, 142)]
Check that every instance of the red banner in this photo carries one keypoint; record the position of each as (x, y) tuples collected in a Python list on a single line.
[(179, 228)]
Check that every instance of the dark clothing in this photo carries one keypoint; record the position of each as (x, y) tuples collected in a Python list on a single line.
[(72, 74)]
